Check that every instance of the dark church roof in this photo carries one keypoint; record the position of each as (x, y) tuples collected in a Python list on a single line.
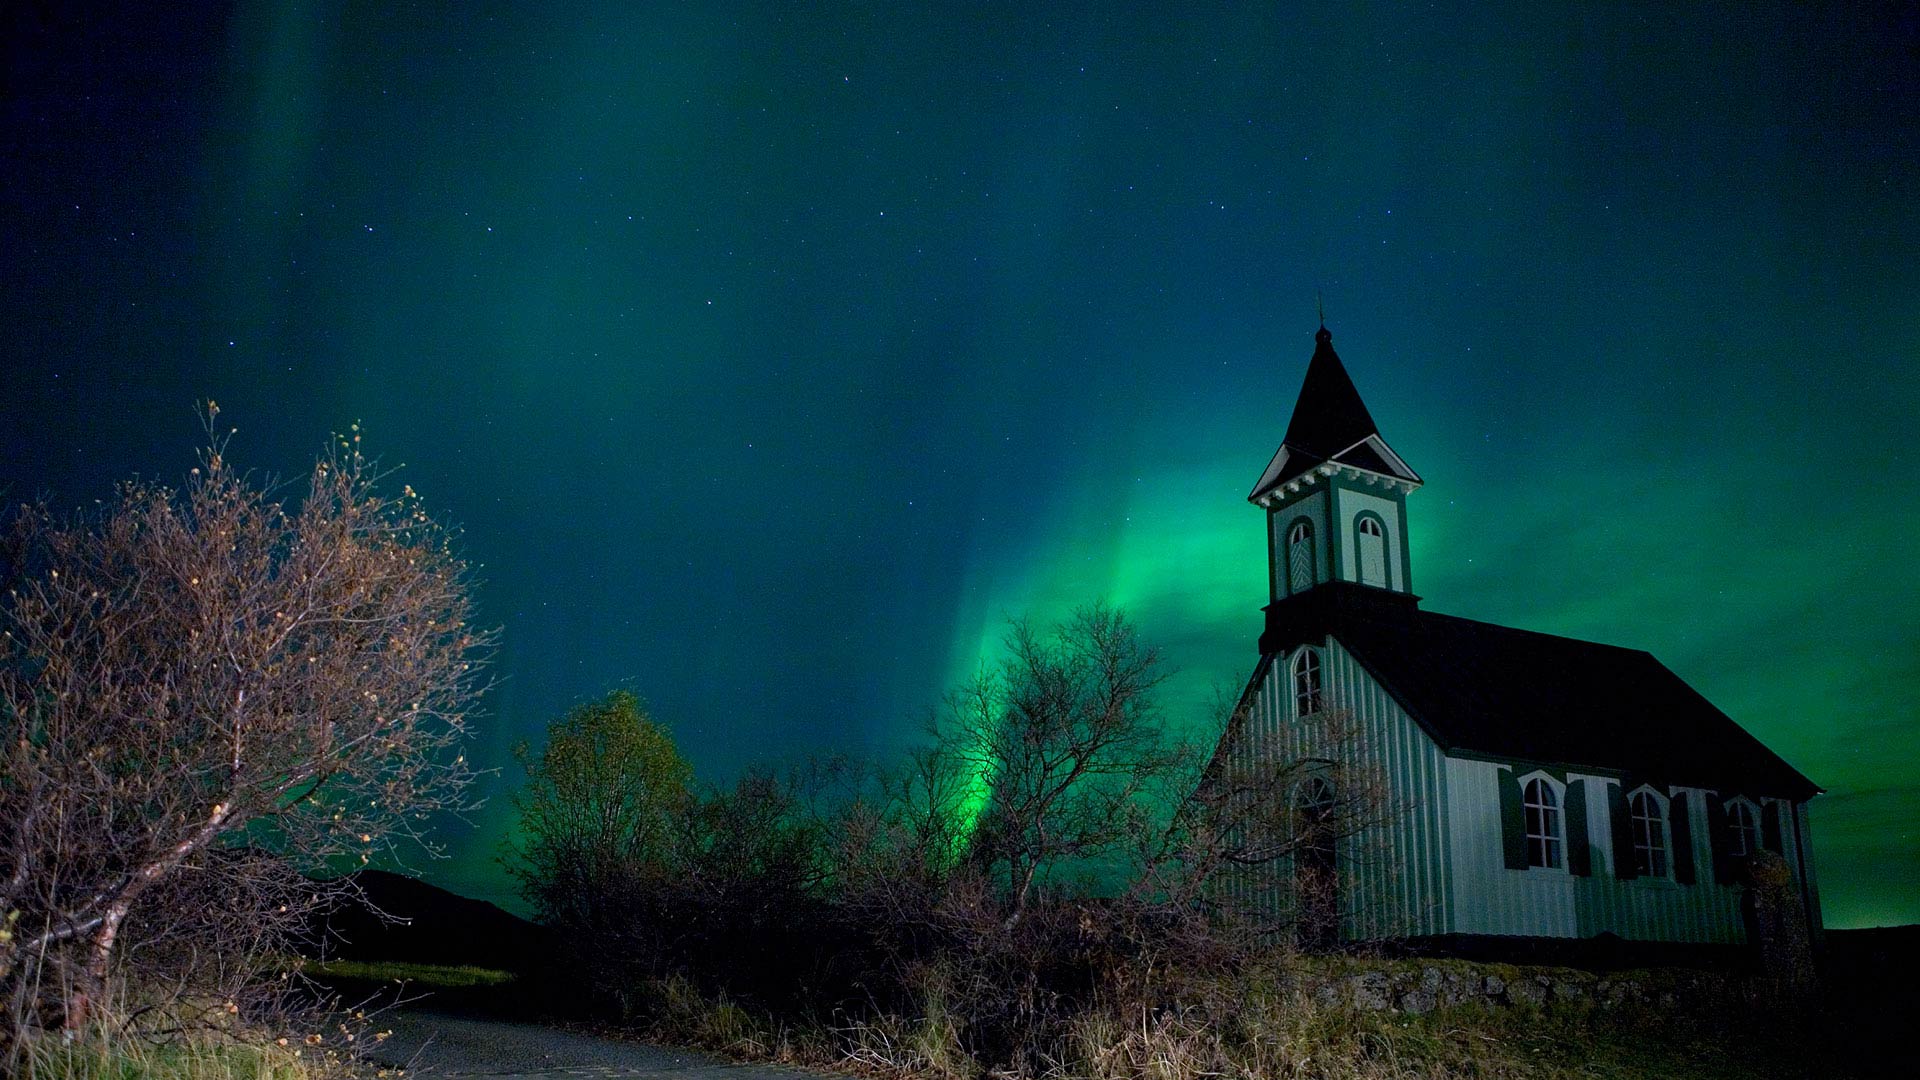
[(1478, 688), (1330, 423), (1329, 415)]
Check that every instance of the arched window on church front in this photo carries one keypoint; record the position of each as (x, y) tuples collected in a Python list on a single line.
[(1316, 882), (1743, 832), (1300, 556), (1541, 804), (1372, 549), (1307, 698), (1649, 834)]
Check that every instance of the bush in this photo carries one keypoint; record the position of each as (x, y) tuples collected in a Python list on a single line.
[(202, 692)]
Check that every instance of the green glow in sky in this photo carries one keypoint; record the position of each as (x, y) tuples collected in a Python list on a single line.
[(772, 357)]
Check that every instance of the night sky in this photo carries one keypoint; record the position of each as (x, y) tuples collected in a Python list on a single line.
[(771, 359)]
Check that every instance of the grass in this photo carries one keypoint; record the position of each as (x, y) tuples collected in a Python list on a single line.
[(99, 1061), (444, 976), (1274, 1033), (105, 1053)]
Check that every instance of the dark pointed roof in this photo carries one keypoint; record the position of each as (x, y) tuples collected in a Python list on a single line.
[(1329, 416), (1479, 688), (1329, 422)]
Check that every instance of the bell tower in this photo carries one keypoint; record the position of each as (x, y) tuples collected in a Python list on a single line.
[(1335, 493)]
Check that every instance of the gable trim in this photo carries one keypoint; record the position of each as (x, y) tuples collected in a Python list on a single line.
[(1237, 720), (1379, 446)]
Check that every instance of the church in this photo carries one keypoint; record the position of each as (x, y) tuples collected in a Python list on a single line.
[(1541, 787)]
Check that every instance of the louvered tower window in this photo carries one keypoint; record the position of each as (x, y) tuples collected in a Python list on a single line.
[(1373, 552), (1300, 557)]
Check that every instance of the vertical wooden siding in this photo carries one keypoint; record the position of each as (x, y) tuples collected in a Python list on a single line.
[(1394, 877), (1489, 898), (1436, 866)]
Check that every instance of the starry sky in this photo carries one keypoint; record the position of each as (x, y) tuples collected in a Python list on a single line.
[(772, 355)]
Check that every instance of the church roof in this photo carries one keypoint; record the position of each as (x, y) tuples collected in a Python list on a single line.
[(1479, 688), (1330, 423), (1329, 415)]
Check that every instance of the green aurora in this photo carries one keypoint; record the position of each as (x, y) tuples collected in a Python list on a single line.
[(772, 359)]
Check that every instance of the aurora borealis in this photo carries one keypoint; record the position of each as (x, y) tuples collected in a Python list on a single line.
[(770, 358)]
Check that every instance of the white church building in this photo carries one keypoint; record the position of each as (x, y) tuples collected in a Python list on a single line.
[(1543, 787)]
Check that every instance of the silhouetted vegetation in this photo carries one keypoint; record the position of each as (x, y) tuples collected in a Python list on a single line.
[(1040, 854)]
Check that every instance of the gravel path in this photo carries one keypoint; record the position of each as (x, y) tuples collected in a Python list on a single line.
[(437, 1045)]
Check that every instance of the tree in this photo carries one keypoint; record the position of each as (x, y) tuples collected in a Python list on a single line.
[(1270, 821), (191, 676), (1067, 741), (603, 800)]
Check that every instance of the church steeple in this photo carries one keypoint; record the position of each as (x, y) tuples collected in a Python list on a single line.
[(1335, 492), (1329, 417)]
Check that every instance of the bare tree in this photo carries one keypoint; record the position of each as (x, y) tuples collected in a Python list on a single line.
[(1278, 822), (1066, 744), (190, 668)]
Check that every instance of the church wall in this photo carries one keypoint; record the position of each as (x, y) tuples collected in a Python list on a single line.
[(1490, 898), (1803, 865), (1393, 876), (1401, 870)]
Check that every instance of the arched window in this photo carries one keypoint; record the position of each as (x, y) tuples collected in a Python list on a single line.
[(1316, 886), (1542, 806), (1313, 801), (1307, 698), (1649, 834), (1372, 549), (1743, 831), (1300, 556)]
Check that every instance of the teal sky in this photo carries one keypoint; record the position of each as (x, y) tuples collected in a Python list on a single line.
[(770, 358)]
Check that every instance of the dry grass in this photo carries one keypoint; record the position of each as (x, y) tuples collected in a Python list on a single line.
[(136, 1033), (926, 1045), (88, 1059), (1257, 1029), (106, 1052)]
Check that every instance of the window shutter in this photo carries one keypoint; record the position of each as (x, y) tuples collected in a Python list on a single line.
[(1770, 828), (1513, 820), (1719, 842), (1622, 828), (1677, 811), (1579, 851)]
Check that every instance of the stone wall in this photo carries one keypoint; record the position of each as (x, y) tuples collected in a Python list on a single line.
[(1416, 987)]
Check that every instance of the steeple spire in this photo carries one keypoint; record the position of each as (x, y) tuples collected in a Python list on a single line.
[(1335, 492), (1330, 423), (1329, 415)]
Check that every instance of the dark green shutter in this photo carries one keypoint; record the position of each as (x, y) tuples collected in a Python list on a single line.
[(1513, 821), (1719, 842), (1683, 868), (1622, 823), (1770, 828), (1579, 851)]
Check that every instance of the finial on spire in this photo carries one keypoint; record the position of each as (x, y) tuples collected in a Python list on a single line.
[(1320, 301)]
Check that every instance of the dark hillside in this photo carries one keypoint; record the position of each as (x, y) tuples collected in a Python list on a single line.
[(1873, 954), (402, 918)]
